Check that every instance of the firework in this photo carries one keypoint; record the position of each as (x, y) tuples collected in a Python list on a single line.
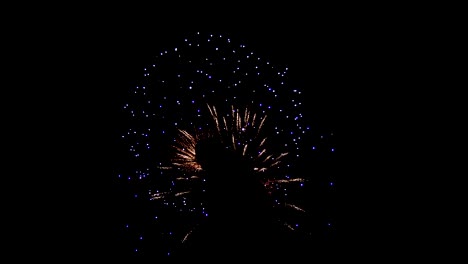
[(239, 131), (215, 130)]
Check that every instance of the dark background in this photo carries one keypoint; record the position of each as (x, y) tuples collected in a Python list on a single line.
[(363, 70), (93, 69)]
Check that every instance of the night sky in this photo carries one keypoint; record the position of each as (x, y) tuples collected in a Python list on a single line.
[(354, 71), (306, 91)]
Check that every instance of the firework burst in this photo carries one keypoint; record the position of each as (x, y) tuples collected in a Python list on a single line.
[(239, 131), (209, 120)]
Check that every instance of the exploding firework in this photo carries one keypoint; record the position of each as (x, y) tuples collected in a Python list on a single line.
[(239, 131), (210, 89)]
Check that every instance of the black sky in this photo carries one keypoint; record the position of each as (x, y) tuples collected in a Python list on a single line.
[(79, 67)]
